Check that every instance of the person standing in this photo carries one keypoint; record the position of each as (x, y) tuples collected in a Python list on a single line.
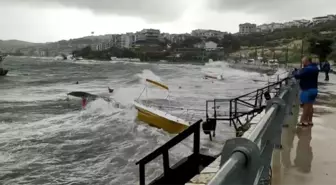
[(308, 77), (326, 70)]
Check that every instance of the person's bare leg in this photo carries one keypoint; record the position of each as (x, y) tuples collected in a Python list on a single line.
[(311, 112), (305, 114)]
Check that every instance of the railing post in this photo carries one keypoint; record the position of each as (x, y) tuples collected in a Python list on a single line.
[(215, 114), (197, 138), (230, 112), (235, 107), (166, 167), (142, 174)]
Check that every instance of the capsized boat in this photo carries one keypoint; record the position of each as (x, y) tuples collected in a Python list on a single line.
[(153, 116), (81, 94), (88, 96)]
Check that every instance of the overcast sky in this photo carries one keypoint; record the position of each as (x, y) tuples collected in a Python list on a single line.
[(52, 20)]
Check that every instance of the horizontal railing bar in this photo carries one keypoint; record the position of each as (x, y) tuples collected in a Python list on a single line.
[(262, 125), (245, 103), (236, 162), (266, 87)]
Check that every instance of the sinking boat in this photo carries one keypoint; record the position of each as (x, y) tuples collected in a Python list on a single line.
[(155, 117)]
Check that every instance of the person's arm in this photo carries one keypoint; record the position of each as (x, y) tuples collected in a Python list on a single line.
[(301, 73)]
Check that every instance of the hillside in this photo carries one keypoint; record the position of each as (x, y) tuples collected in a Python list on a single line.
[(284, 44), (11, 45)]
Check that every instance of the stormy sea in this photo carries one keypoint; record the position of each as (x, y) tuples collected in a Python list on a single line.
[(47, 138)]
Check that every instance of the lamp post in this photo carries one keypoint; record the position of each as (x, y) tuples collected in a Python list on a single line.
[(301, 52)]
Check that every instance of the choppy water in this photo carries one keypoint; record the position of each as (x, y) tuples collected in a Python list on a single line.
[(45, 139)]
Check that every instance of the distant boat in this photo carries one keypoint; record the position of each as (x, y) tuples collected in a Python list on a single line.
[(219, 77), (3, 72), (77, 58), (125, 59), (59, 58)]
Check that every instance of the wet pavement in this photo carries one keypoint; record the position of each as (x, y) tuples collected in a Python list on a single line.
[(308, 153)]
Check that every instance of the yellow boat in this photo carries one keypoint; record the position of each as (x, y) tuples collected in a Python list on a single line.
[(158, 118)]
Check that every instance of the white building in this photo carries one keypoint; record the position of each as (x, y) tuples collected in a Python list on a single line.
[(126, 40), (263, 28), (291, 24), (148, 34), (210, 45), (303, 22), (175, 38), (247, 28), (273, 26), (101, 46), (207, 33), (199, 45)]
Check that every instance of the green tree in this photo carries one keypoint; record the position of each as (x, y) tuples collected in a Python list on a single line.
[(230, 43), (320, 47), (191, 41), (213, 39)]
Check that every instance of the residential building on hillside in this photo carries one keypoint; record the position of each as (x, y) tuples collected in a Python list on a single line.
[(303, 22), (317, 20), (126, 40), (175, 38), (270, 27), (210, 45), (102, 46), (273, 26), (207, 33), (296, 23), (147, 40), (247, 28), (115, 40), (147, 34), (263, 28), (199, 45)]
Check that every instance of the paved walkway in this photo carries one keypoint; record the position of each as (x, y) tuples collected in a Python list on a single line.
[(210, 171), (308, 156)]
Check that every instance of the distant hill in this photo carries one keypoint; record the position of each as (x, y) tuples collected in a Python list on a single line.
[(10, 45)]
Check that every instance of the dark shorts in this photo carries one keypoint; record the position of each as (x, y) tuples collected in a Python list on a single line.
[(308, 96)]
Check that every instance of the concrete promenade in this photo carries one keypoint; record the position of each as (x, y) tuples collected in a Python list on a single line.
[(308, 156)]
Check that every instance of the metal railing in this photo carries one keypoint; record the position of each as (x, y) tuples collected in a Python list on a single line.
[(185, 169), (246, 160), (242, 109)]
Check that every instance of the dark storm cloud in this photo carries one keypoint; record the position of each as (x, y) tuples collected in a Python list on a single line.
[(283, 9), (150, 10)]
